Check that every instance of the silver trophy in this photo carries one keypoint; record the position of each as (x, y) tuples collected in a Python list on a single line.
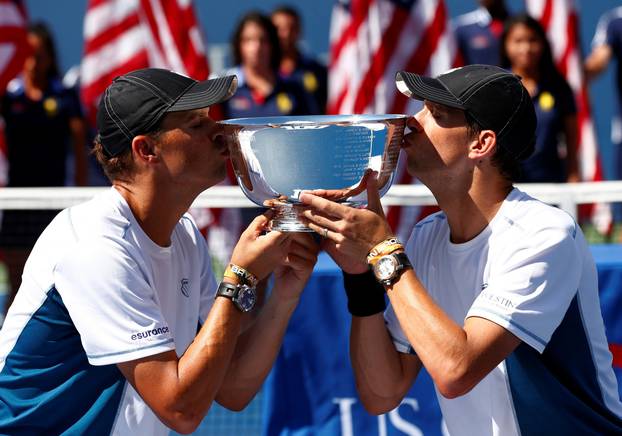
[(277, 158)]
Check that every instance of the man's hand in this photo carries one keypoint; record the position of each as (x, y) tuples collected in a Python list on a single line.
[(351, 232), (292, 275), (346, 263), (341, 194), (261, 253)]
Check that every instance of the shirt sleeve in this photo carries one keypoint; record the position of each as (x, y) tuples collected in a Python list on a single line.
[(111, 303), (609, 30), (614, 35), (531, 290), (601, 33)]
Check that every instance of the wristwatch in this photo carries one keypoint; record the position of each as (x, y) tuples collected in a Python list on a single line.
[(389, 267), (243, 296)]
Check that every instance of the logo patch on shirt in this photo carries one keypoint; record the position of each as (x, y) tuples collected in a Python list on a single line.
[(150, 334), (546, 101), (50, 105), (185, 287), (479, 42), (309, 81), (240, 103), (498, 300), (284, 103)]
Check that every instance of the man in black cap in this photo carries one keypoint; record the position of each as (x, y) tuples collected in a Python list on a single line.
[(102, 337), (496, 295)]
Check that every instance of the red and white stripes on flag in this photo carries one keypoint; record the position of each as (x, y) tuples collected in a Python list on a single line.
[(13, 52), (370, 40), (559, 19), (13, 40), (124, 35)]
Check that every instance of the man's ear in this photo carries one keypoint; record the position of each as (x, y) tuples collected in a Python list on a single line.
[(483, 145), (144, 148)]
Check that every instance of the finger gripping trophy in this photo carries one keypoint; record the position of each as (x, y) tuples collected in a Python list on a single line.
[(277, 158)]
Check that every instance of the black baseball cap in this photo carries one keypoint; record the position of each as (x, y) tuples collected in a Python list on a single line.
[(494, 97), (134, 103)]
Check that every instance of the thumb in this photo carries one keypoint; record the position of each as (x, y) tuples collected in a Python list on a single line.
[(276, 238), (373, 195), (259, 224)]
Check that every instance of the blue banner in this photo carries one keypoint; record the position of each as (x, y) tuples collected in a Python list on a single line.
[(311, 389)]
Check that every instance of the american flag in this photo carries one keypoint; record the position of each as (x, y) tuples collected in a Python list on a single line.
[(124, 35), (13, 51), (370, 40), (559, 19)]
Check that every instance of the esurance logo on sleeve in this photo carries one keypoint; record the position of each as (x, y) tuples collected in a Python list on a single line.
[(152, 334)]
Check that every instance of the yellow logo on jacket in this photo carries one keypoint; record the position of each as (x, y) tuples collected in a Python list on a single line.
[(50, 106), (309, 81), (284, 103), (546, 101)]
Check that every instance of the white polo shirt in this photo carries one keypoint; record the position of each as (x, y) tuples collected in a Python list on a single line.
[(531, 272), (97, 291)]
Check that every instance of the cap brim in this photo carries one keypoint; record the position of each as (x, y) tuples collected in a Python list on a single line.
[(425, 88), (206, 93)]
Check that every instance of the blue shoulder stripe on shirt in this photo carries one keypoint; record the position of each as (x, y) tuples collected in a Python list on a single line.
[(47, 385), (557, 392)]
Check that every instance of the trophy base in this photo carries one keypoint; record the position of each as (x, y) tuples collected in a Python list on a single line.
[(287, 219)]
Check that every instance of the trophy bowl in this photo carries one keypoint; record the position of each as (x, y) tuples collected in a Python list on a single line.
[(277, 158)]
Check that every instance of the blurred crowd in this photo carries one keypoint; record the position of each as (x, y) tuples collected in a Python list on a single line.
[(43, 117)]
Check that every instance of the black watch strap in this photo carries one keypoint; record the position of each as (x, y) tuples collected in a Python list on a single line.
[(404, 264), (402, 258), (228, 290)]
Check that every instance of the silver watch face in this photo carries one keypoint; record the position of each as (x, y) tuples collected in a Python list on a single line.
[(246, 298), (385, 268)]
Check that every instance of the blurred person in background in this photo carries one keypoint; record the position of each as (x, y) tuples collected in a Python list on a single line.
[(295, 65), (526, 51), (96, 176), (478, 33), (262, 92), (607, 46), (43, 119)]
